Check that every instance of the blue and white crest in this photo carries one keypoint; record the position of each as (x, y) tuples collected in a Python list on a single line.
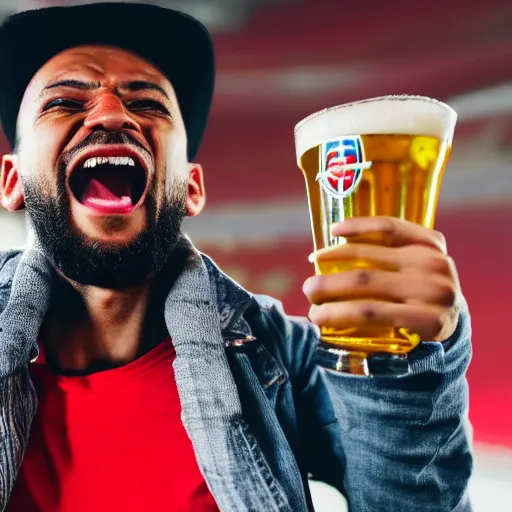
[(342, 162)]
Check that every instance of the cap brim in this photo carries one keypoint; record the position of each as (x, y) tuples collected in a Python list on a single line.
[(178, 45)]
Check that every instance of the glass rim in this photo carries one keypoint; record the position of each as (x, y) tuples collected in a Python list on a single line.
[(392, 97)]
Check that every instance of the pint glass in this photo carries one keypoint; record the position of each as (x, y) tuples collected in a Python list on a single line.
[(382, 156)]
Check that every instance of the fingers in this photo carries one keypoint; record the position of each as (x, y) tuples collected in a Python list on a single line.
[(427, 321), (413, 257), (400, 276), (410, 287), (388, 231)]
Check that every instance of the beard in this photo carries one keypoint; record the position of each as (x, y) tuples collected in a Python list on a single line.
[(90, 262)]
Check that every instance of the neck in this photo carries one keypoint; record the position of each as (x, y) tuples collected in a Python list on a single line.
[(89, 329)]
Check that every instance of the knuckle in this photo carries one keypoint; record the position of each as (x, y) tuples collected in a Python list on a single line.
[(353, 251), (409, 254), (436, 324), (440, 264), (448, 294), (451, 268), (428, 332), (363, 310), (369, 312), (389, 226), (437, 327), (362, 277)]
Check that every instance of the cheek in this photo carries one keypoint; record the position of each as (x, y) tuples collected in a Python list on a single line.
[(173, 144), (53, 137), (38, 157), (170, 162), (41, 182), (176, 166)]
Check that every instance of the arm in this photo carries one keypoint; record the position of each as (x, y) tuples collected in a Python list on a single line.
[(390, 444)]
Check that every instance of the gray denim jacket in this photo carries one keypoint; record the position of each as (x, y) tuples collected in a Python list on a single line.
[(262, 416)]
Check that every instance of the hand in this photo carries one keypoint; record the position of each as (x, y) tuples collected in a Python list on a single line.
[(417, 288)]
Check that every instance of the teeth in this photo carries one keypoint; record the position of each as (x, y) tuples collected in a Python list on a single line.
[(112, 160)]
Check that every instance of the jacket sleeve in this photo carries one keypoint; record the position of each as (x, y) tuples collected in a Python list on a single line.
[(388, 444)]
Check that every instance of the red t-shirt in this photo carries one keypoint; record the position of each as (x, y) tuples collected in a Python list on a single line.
[(111, 441)]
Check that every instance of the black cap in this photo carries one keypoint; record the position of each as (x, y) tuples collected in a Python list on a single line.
[(177, 44)]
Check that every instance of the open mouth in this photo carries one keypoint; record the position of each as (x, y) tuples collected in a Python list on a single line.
[(109, 184)]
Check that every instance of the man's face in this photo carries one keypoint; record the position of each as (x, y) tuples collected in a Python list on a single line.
[(102, 155)]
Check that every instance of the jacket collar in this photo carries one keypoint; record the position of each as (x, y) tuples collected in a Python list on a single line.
[(27, 284), (22, 273)]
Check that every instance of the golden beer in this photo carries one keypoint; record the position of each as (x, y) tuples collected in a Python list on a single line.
[(384, 156)]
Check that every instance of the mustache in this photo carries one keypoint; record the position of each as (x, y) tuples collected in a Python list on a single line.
[(102, 137)]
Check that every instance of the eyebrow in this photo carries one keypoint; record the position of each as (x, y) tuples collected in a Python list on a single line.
[(74, 84), (141, 85), (136, 85)]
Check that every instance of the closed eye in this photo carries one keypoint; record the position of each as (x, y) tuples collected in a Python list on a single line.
[(64, 103), (147, 105)]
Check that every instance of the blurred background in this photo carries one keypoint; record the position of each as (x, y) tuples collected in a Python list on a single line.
[(280, 60)]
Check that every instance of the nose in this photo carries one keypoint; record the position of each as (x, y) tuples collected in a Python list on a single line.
[(109, 113)]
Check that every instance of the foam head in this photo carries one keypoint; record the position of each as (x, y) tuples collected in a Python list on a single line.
[(397, 115)]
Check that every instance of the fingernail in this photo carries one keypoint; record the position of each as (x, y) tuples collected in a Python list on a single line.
[(312, 257)]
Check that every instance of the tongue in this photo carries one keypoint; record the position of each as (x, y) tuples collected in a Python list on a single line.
[(108, 192)]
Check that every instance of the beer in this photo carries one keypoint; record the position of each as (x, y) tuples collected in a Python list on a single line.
[(384, 156)]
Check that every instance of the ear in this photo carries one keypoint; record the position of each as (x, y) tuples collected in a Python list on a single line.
[(196, 198), (11, 189)]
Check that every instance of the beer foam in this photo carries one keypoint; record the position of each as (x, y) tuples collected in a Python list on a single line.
[(400, 115)]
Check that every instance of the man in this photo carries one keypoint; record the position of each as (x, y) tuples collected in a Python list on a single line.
[(110, 314)]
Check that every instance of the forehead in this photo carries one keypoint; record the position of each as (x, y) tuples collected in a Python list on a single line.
[(96, 63)]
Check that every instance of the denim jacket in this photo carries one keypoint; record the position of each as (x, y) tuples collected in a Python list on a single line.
[(262, 416)]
